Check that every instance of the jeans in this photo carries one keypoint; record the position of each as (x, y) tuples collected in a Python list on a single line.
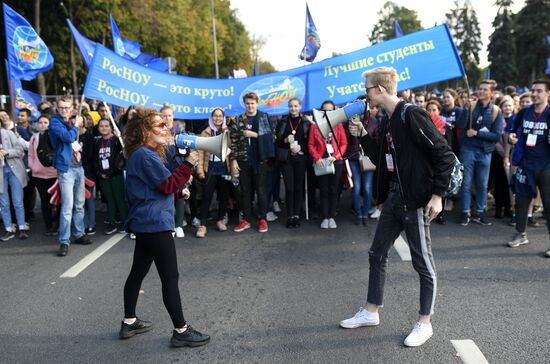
[(89, 210), (393, 220), (17, 199), (362, 184), (72, 187), (476, 170)]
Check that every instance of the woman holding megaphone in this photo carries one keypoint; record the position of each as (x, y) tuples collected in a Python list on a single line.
[(291, 149), (327, 155), (214, 173)]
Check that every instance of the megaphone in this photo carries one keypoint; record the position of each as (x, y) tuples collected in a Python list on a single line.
[(216, 145), (327, 119)]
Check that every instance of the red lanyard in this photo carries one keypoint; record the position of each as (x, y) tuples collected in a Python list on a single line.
[(292, 126), (536, 118)]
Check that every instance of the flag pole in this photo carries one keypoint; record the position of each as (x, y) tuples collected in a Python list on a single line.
[(214, 36), (10, 88), (115, 127)]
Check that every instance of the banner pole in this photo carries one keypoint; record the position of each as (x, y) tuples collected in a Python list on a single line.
[(115, 127)]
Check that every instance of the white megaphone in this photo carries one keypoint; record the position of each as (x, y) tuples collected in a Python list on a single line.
[(327, 119), (217, 145)]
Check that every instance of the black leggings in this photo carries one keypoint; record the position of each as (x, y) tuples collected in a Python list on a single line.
[(158, 248), (50, 218), (214, 183), (294, 175)]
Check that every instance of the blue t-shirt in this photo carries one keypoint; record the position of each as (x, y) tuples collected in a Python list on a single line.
[(451, 116), (536, 158), (150, 211)]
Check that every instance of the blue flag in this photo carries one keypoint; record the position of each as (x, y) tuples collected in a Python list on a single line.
[(26, 100), (313, 42), (132, 50), (27, 52), (85, 46), (488, 74), (397, 29), (547, 66), (548, 39)]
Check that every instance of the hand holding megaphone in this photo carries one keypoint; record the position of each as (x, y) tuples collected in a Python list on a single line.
[(192, 157)]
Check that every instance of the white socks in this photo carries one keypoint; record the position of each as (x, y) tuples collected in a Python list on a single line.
[(129, 321), (182, 330)]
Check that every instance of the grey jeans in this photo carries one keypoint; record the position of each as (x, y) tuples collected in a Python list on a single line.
[(393, 220)]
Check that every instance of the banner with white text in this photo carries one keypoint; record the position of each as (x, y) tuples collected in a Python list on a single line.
[(420, 58)]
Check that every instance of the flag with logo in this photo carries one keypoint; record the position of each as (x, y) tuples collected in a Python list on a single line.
[(313, 42), (27, 52), (85, 46), (26, 100), (132, 50)]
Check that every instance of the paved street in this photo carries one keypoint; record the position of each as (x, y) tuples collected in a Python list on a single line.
[(278, 298)]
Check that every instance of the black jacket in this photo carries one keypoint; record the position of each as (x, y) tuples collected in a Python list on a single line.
[(108, 149), (424, 159)]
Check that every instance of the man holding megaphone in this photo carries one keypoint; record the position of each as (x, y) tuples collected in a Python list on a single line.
[(414, 164)]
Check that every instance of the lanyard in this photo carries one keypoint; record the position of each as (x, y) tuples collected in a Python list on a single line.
[(536, 118), (292, 126), (104, 144)]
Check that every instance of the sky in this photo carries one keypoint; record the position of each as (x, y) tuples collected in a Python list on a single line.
[(343, 26)]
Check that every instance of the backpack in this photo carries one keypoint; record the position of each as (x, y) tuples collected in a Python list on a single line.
[(457, 175), (44, 150)]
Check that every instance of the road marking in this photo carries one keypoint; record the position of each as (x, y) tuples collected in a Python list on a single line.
[(469, 352), (92, 257), (402, 249)]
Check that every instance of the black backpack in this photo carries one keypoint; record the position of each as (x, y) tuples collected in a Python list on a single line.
[(44, 150)]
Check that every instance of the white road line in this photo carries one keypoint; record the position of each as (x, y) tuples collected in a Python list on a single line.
[(92, 257), (469, 352), (402, 249)]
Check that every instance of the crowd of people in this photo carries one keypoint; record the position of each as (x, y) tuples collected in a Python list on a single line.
[(87, 164)]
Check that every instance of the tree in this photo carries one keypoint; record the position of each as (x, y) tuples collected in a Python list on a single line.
[(464, 27), (531, 29), (383, 30), (502, 45)]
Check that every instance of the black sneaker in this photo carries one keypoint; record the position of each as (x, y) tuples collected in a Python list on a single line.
[(8, 235), (51, 232), (138, 327), (512, 221), (465, 219), (290, 223), (90, 231), (297, 222), (83, 240), (358, 220), (111, 229), (63, 250), (190, 337), (531, 221), (480, 219), (23, 234)]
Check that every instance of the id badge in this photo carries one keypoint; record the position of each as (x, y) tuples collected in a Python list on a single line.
[(389, 162), (531, 140), (330, 149), (105, 164)]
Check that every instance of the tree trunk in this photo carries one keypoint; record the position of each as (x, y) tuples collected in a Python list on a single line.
[(40, 81)]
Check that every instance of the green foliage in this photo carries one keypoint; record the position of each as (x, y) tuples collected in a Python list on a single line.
[(383, 30), (531, 29), (464, 27), (502, 46)]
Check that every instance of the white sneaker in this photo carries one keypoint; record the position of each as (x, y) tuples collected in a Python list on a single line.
[(419, 334), (332, 224), (132, 236), (375, 214), (362, 318), (324, 224), (276, 207), (179, 232), (196, 222), (270, 216)]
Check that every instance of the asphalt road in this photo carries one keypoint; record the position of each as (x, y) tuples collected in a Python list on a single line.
[(278, 298)]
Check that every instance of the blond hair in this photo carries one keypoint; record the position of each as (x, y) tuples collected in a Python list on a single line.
[(383, 76)]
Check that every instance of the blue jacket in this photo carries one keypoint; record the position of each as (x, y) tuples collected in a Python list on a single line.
[(150, 210), (62, 136), (486, 139)]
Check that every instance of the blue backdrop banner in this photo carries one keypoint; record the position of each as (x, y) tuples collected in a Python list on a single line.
[(420, 58)]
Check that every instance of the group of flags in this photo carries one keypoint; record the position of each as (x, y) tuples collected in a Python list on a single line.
[(28, 56)]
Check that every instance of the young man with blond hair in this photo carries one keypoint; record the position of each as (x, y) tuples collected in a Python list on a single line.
[(414, 164)]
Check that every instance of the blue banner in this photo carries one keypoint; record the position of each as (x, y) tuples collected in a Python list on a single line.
[(85, 46), (419, 58), (27, 52), (313, 42), (26, 100)]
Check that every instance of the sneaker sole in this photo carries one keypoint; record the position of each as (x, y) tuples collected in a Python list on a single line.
[(133, 333), (416, 344), (240, 230), (482, 223), (355, 326), (517, 244), (179, 344), (262, 230)]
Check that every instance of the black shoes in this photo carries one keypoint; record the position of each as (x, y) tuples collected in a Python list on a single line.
[(83, 240), (23, 234), (480, 219), (8, 235), (190, 337), (293, 222), (63, 250), (111, 229), (138, 327)]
